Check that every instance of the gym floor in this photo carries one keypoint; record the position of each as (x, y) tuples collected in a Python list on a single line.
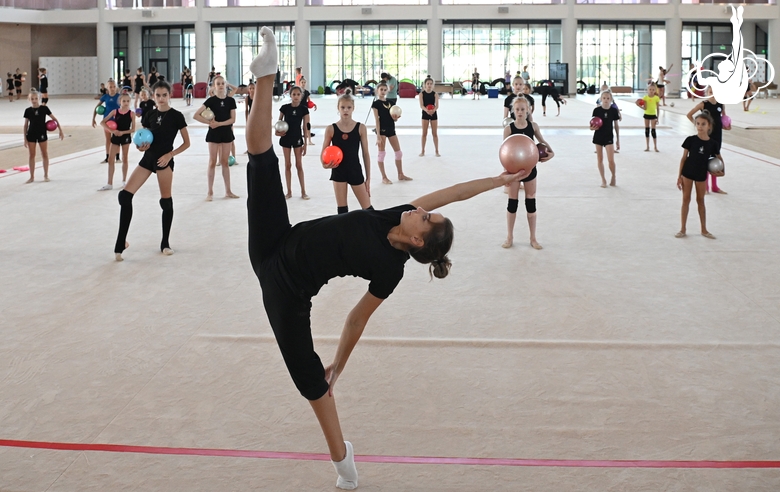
[(615, 342)]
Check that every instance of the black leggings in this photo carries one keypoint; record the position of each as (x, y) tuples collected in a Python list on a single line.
[(544, 99), (288, 309)]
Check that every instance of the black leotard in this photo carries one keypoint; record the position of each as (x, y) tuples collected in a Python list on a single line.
[(528, 131), (349, 170)]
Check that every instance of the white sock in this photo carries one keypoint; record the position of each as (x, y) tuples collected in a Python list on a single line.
[(106, 188), (348, 476), (267, 60)]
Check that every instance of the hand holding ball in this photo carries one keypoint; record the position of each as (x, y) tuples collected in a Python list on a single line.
[(640, 103), (596, 122), (332, 156), (208, 114), (100, 109), (726, 121), (395, 111), (715, 165), (507, 121), (139, 111), (310, 104), (111, 124), (143, 137), (430, 107), (281, 126), (542, 150), (51, 125), (518, 153)]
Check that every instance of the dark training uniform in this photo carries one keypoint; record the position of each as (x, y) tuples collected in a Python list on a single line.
[(123, 124), (528, 131), (221, 109), (603, 136), (349, 171), (716, 112), (511, 98), (429, 99), (386, 121), (146, 106), (164, 126), (293, 115), (699, 153), (292, 264), (139, 83), (36, 130), (18, 82)]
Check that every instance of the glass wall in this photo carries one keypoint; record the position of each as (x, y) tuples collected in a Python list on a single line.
[(622, 1), (249, 3), (142, 4), (494, 49), (700, 40), (762, 42), (622, 54), (234, 46), (120, 54), (169, 49), (50, 4), (499, 2), (370, 2), (763, 2), (363, 51)]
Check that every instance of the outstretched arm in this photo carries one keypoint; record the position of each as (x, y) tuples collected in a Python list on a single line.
[(353, 329), (464, 191)]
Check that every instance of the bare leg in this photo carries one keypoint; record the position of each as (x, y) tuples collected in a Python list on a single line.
[(111, 167), (31, 160), (299, 168), (530, 192), (600, 162), (362, 195), (647, 139), (700, 192), (325, 410), (381, 141), (212, 169), (45, 158), (611, 159), (655, 140), (513, 191), (686, 201), (434, 128), (424, 135), (617, 136), (125, 161), (399, 165), (287, 171), (224, 154), (340, 189)]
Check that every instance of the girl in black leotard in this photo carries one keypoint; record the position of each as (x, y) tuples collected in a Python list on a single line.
[(309, 104), (43, 85), (385, 130), (427, 99), (293, 263), (121, 137), (152, 77), (350, 136), (10, 86), (139, 84), (717, 111), (521, 125), (293, 141)]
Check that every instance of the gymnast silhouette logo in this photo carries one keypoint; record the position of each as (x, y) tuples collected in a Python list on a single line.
[(730, 84)]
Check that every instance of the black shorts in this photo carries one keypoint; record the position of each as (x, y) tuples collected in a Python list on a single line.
[(603, 141), (694, 174), (137, 90), (18, 90), (149, 162), (387, 132), (223, 134), (291, 141), (530, 177), (122, 139), (660, 86), (392, 100), (288, 310), (37, 138), (431, 117), (651, 117), (348, 173)]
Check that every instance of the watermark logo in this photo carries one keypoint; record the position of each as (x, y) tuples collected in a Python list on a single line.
[(731, 83)]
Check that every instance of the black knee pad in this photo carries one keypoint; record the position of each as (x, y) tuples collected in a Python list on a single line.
[(647, 132), (511, 205), (125, 197), (342, 210), (652, 132), (530, 205), (166, 204)]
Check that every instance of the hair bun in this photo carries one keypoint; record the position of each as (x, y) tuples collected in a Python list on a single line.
[(348, 91)]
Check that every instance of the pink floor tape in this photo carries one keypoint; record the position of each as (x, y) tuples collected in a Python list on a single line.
[(21, 168), (419, 460)]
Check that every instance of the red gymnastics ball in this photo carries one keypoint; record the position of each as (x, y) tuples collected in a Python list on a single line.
[(640, 103), (596, 122), (51, 125), (518, 152), (430, 107), (332, 156), (542, 150), (310, 104), (111, 124)]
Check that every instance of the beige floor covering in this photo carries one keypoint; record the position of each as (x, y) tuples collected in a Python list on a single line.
[(617, 341)]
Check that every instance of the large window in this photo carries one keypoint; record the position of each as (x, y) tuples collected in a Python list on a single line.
[(120, 54), (169, 49), (368, 2), (700, 40), (499, 2), (494, 49), (234, 46), (142, 4), (50, 4), (620, 54), (363, 51), (764, 2), (622, 1), (249, 3), (762, 43)]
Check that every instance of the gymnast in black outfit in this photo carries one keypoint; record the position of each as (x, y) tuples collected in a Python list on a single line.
[(292, 263)]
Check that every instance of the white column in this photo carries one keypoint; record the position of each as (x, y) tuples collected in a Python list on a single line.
[(774, 47), (302, 46), (674, 55), (435, 56), (569, 46), (202, 45), (105, 44), (134, 46)]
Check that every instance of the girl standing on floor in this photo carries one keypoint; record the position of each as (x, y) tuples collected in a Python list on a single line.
[(188, 87), (429, 98), (518, 90), (522, 126), (350, 136), (651, 115), (306, 101), (716, 111), (661, 83), (220, 135), (694, 169), (139, 85), (165, 123), (43, 86), (18, 79), (35, 132), (111, 101), (250, 96), (9, 81), (385, 130), (147, 103), (152, 77), (293, 263), (602, 136), (121, 137), (296, 115), (127, 84), (475, 84)]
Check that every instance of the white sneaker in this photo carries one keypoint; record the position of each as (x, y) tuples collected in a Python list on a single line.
[(348, 476), (106, 188)]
